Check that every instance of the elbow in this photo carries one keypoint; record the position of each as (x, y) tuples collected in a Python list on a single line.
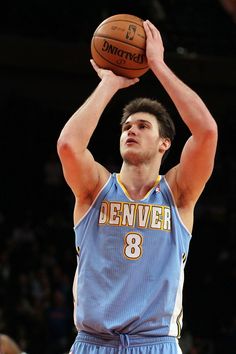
[(207, 132), (212, 130), (210, 135), (68, 146), (63, 146)]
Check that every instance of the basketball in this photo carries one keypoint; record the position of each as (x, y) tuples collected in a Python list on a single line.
[(119, 44)]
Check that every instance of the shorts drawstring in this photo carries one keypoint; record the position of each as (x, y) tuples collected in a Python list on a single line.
[(124, 340)]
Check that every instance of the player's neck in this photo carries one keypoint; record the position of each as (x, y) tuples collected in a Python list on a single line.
[(138, 180)]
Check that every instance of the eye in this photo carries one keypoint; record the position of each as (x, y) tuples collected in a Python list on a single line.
[(125, 127), (142, 126)]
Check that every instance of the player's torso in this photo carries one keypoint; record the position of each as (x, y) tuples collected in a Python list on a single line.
[(131, 261)]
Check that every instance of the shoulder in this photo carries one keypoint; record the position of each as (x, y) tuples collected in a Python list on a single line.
[(84, 202), (182, 195)]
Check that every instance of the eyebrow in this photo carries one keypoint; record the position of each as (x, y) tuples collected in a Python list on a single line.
[(139, 121)]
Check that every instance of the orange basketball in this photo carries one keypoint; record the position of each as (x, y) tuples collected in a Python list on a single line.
[(119, 44)]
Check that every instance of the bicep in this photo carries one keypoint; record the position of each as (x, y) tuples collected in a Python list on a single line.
[(80, 170)]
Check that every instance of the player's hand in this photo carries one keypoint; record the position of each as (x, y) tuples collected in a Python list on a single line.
[(108, 75), (154, 44)]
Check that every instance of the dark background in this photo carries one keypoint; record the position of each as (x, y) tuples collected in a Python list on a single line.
[(45, 75)]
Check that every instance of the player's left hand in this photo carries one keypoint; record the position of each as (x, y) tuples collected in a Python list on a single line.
[(154, 44)]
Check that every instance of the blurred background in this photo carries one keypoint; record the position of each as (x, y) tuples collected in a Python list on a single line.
[(45, 76)]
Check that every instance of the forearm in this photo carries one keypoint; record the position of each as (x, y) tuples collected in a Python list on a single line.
[(190, 106)]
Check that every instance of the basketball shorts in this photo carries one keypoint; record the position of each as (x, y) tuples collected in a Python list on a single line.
[(86, 343)]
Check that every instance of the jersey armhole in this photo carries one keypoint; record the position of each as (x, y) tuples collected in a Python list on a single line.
[(102, 190), (175, 206)]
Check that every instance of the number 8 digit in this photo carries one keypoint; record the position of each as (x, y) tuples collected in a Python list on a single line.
[(133, 246)]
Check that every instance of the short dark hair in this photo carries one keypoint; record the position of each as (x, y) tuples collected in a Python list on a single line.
[(152, 106)]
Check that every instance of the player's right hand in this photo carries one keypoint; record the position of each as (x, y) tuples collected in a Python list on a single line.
[(121, 81)]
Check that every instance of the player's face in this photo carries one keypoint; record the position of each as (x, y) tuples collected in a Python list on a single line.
[(140, 140)]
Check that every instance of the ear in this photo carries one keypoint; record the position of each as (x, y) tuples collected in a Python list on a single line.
[(165, 144)]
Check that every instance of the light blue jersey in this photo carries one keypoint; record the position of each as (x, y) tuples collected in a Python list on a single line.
[(132, 255)]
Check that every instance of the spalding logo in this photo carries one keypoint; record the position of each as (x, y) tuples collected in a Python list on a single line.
[(109, 48)]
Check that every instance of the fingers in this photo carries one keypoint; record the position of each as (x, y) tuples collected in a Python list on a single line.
[(98, 70), (150, 25), (146, 26), (150, 29), (134, 81), (94, 65)]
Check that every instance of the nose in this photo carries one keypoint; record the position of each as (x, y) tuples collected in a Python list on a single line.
[(132, 130)]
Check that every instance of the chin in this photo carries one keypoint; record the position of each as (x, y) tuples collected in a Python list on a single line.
[(132, 158)]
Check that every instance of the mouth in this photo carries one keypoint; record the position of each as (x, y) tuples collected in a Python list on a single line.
[(130, 141)]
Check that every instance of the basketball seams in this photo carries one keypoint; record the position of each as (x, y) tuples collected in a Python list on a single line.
[(112, 19), (119, 66), (118, 40), (130, 22)]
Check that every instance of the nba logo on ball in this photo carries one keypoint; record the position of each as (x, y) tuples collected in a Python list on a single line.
[(119, 44), (131, 32)]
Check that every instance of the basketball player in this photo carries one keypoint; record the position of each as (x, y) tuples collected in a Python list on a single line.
[(133, 228)]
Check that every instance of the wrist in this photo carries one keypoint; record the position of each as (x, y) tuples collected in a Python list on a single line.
[(157, 65), (109, 84)]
